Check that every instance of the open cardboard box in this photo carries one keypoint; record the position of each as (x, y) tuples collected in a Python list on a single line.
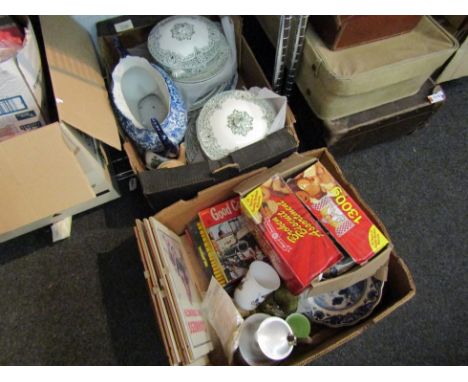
[(399, 287), (165, 186), (59, 170)]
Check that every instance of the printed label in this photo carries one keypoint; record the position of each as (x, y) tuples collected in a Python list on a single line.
[(31, 126), (437, 97), (220, 213), (123, 26), (25, 115), (377, 241), (12, 105), (252, 203)]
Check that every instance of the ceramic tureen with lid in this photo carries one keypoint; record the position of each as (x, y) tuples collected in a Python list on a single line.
[(232, 120), (190, 48)]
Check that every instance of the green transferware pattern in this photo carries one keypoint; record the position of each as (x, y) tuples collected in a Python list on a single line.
[(240, 122), (200, 65)]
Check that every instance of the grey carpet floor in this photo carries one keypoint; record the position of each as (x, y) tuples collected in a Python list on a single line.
[(83, 301)]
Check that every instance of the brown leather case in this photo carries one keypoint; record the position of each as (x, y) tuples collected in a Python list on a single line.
[(340, 32), (382, 124)]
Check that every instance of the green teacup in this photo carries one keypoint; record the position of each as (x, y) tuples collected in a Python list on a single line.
[(299, 324)]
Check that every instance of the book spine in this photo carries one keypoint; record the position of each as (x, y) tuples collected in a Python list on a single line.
[(218, 271), (194, 235)]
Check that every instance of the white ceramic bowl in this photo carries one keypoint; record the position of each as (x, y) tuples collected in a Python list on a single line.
[(189, 48), (232, 120)]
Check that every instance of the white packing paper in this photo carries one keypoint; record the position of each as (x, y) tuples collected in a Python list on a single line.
[(223, 316), (279, 103)]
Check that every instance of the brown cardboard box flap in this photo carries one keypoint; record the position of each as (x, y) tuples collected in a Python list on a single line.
[(289, 165), (37, 181), (377, 267), (178, 215), (79, 89)]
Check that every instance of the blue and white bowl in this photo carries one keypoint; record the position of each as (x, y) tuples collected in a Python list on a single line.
[(133, 79), (343, 307)]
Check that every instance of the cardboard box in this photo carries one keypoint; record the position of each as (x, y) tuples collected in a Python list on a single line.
[(22, 97), (165, 186), (399, 287), (60, 170)]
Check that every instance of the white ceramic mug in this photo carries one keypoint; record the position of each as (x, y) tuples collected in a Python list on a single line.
[(265, 340), (260, 280)]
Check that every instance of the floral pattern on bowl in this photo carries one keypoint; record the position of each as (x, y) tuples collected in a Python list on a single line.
[(344, 265), (232, 120), (173, 125), (190, 48), (344, 307)]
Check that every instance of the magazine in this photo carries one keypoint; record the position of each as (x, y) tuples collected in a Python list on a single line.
[(184, 294)]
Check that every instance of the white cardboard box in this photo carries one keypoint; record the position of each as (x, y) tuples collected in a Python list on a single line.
[(58, 170), (22, 88)]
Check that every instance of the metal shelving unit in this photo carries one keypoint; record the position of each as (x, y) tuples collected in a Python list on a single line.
[(291, 34)]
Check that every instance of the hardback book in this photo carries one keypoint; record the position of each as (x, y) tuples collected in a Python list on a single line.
[(195, 232), (230, 245)]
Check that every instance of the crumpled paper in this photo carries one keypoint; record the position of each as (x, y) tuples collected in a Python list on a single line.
[(223, 316), (279, 102)]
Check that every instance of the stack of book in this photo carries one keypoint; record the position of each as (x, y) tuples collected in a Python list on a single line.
[(176, 298), (224, 245)]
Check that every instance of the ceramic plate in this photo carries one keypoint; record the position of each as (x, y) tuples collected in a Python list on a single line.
[(339, 268), (232, 120), (194, 152), (344, 307), (190, 48)]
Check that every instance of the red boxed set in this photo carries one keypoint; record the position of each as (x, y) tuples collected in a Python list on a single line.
[(294, 242), (336, 210)]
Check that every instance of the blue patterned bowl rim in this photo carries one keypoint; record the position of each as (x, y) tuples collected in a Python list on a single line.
[(347, 317), (174, 125)]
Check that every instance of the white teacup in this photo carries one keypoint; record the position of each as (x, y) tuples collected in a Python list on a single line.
[(265, 340), (274, 338), (260, 280)]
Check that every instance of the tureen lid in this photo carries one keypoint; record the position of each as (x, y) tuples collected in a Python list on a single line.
[(232, 120), (191, 48)]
